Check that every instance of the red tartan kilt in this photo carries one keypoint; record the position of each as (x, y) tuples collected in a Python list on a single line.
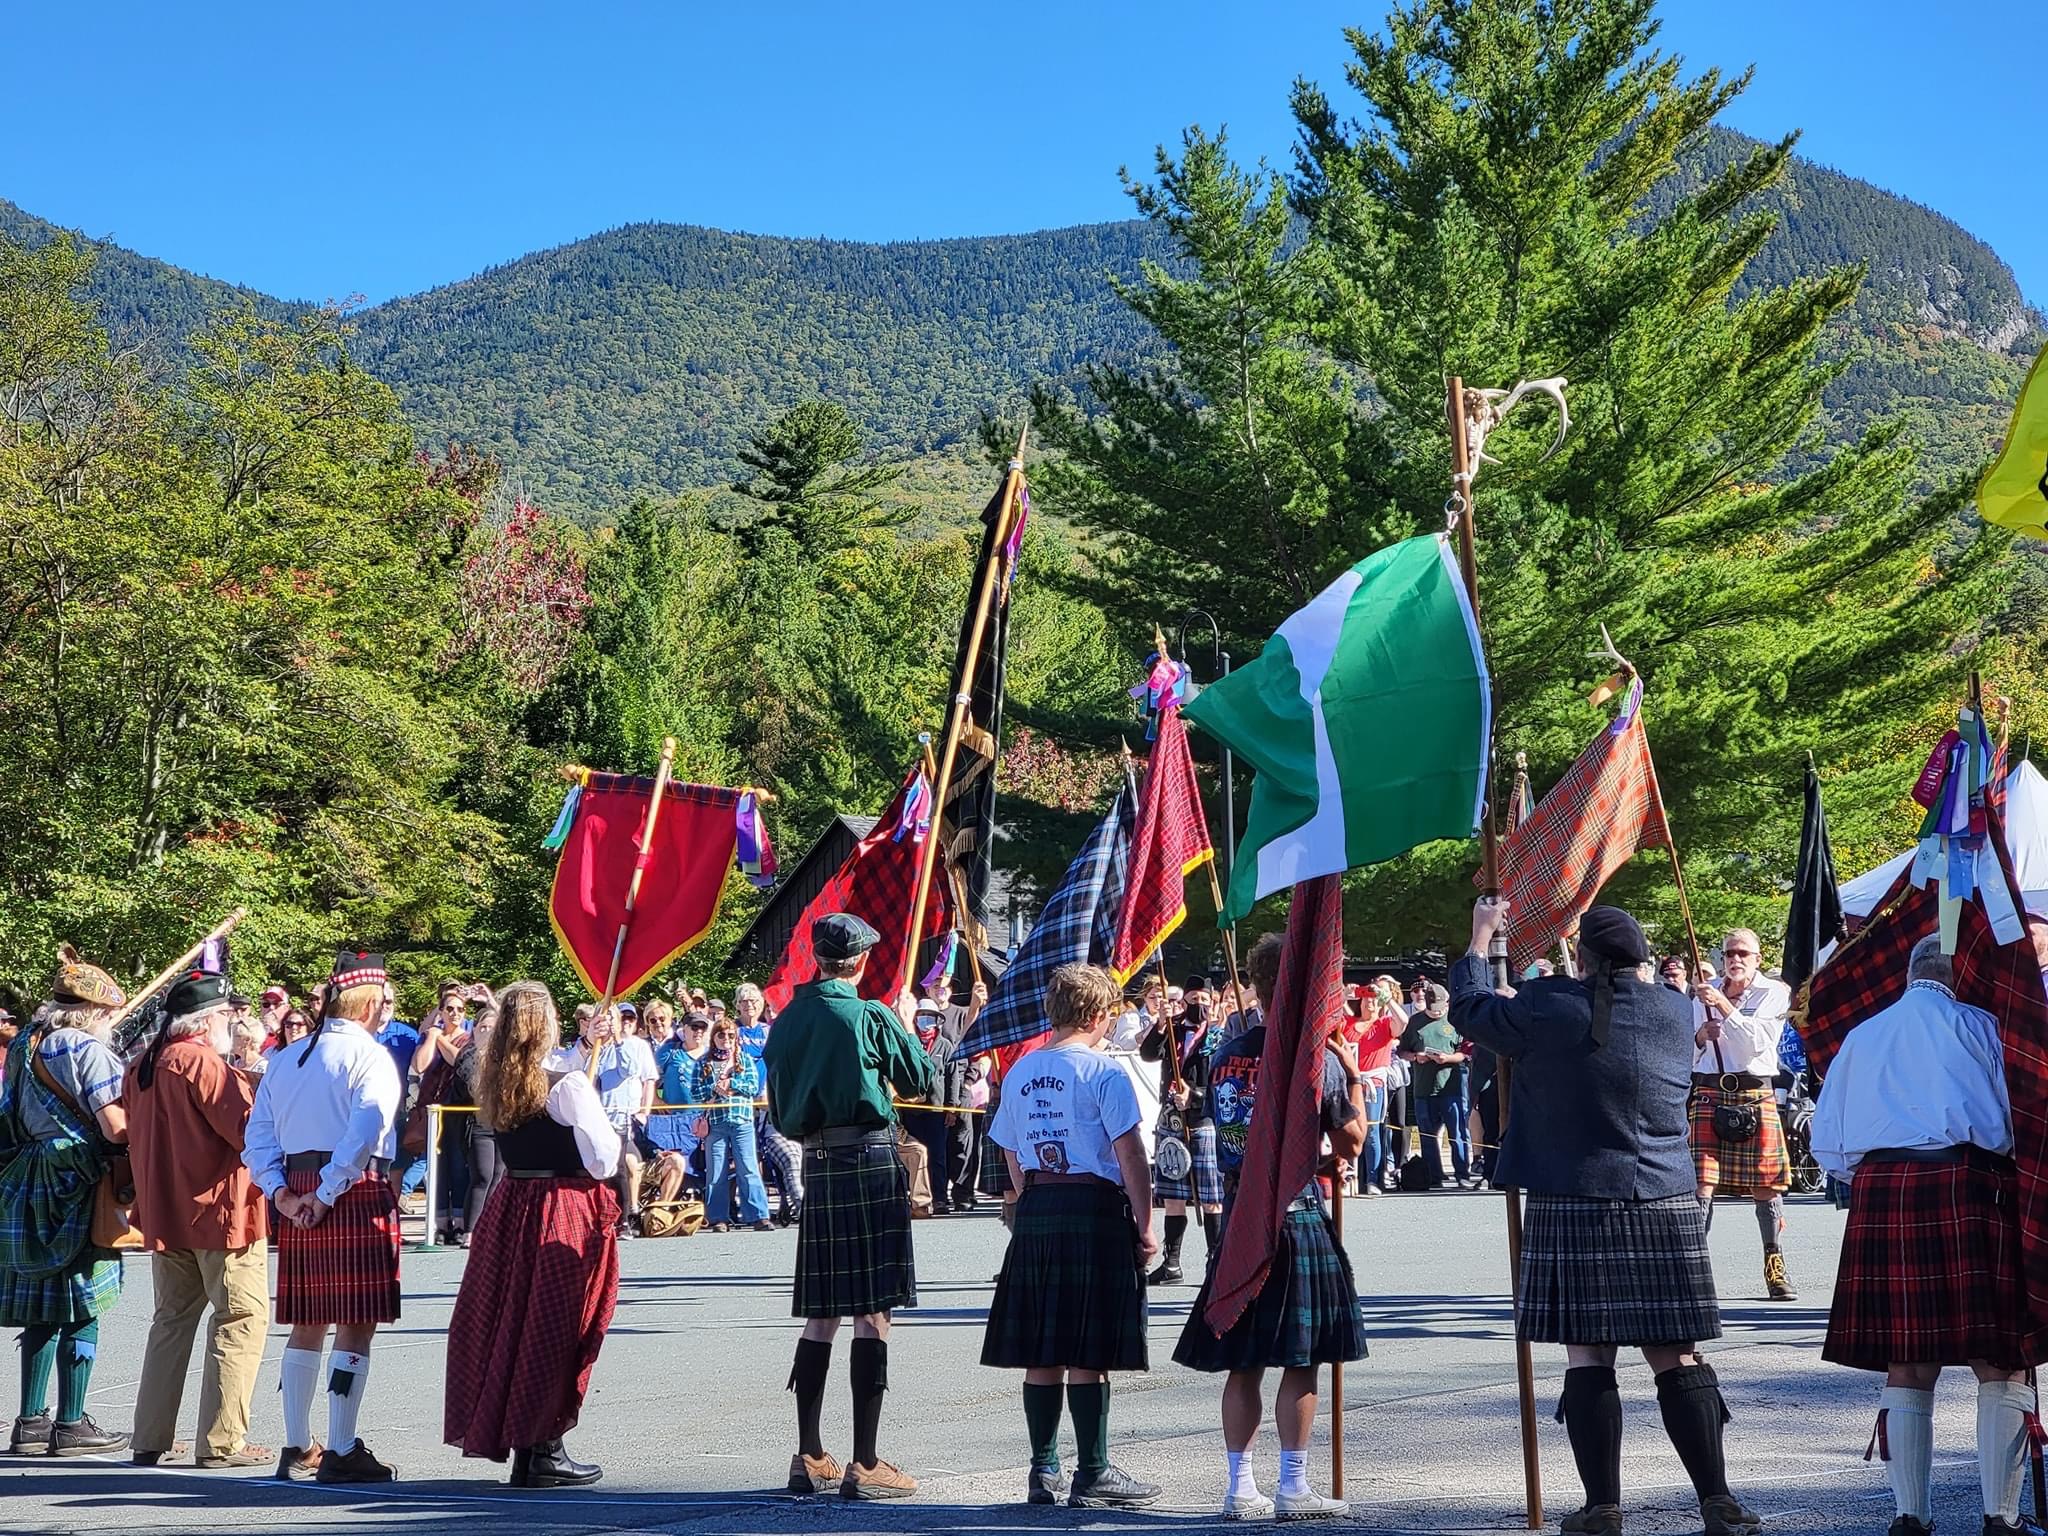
[(537, 1296), (345, 1270), (1757, 1166), (1930, 1267)]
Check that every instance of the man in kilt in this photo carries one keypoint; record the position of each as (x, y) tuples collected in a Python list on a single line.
[(1189, 1033), (321, 1138), (1614, 1249), (1069, 1307), (1305, 1316), (61, 1123), (1915, 1116), (1739, 1017), (832, 1061)]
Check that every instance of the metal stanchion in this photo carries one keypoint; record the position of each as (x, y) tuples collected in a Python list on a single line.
[(433, 1185)]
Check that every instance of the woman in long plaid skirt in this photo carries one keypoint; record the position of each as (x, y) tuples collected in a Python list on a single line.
[(60, 1118), (1915, 1115), (1614, 1253), (543, 1273)]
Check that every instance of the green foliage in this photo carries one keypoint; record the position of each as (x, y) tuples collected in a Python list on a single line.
[(811, 486)]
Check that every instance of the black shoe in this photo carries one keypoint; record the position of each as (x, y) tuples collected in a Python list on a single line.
[(1994, 1526), (84, 1438), (354, 1465), (31, 1436), (551, 1466), (1111, 1488), (941, 1210), (1913, 1525), (1593, 1520), (1048, 1485), (299, 1464), (1165, 1274), (1722, 1515)]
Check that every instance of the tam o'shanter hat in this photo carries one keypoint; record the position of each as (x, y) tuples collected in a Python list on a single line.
[(357, 968), (78, 982), (195, 992)]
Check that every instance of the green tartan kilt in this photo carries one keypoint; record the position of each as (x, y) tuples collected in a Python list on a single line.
[(77, 1294), (49, 1272)]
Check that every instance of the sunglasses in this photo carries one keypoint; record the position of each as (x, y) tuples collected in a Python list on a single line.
[(1738, 954)]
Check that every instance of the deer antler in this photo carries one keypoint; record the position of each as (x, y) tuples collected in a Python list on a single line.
[(1486, 409)]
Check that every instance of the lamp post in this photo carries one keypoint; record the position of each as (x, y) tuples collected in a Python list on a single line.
[(1220, 660)]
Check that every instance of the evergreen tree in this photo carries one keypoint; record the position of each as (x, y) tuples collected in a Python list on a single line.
[(812, 485)]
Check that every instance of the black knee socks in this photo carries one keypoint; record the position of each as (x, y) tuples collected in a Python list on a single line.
[(1690, 1399), (870, 1382), (1591, 1411), (1176, 1234), (1212, 1230), (807, 1381)]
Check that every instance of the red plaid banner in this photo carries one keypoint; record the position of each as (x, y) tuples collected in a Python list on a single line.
[(1594, 820), (1172, 842), (1869, 973), (877, 884), (1285, 1142)]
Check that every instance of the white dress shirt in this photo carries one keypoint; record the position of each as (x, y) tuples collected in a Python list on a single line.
[(343, 1099), (626, 1074), (1926, 1072), (1749, 1039), (574, 1102)]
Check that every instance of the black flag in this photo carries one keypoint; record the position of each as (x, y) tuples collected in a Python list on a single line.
[(1815, 920)]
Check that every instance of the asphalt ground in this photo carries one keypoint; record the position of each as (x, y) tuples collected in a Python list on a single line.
[(689, 1416)]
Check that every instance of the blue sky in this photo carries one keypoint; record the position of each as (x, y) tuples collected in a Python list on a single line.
[(321, 151)]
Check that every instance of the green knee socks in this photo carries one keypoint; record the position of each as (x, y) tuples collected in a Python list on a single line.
[(1042, 1421), (1090, 1407), (77, 1346), (38, 1360)]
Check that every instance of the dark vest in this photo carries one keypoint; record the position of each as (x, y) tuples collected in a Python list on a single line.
[(541, 1145)]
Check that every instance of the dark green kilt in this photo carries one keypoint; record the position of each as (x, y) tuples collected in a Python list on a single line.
[(1070, 1292), (853, 1239), (1306, 1313), (49, 1272)]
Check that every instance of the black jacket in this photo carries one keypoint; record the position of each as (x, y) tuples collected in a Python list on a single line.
[(1607, 1123), (1194, 1071)]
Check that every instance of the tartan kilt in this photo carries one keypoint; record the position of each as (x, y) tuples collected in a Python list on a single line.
[(346, 1269), (1760, 1165), (853, 1239), (1631, 1272), (1070, 1293), (1204, 1183), (537, 1296), (994, 1178), (1930, 1271), (86, 1288), (1305, 1314)]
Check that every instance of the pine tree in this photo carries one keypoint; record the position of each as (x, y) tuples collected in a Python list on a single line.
[(1502, 209)]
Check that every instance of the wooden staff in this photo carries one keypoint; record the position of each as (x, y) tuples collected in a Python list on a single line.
[(611, 980), (1468, 565), (963, 700), (220, 930), (1337, 1366)]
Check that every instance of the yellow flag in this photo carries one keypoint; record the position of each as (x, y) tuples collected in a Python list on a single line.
[(2014, 491)]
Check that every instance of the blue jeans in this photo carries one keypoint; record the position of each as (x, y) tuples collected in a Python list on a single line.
[(1444, 1112), (1375, 1156), (731, 1145)]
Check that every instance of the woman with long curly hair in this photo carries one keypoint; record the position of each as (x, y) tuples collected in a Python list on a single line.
[(543, 1273)]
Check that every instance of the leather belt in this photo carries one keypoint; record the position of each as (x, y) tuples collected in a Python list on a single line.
[(837, 1137), (1041, 1176), (579, 1174), (1957, 1154), (314, 1162), (1741, 1080)]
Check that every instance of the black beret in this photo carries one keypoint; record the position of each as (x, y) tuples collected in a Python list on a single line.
[(195, 992), (1614, 935), (842, 936)]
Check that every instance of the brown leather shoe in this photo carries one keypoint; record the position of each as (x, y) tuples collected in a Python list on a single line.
[(247, 1456), (814, 1474), (881, 1481), (299, 1464)]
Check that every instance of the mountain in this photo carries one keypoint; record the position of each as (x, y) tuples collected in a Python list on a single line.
[(636, 361)]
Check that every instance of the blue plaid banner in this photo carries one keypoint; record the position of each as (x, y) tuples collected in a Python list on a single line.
[(1078, 924)]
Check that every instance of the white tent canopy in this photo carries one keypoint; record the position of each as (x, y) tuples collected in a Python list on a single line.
[(2026, 836)]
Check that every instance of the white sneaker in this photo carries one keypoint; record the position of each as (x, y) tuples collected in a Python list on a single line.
[(1309, 1506), (1253, 1507)]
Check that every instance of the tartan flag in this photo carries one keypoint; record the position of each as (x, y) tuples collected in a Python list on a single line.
[(1284, 1143), (1172, 843), (599, 835), (877, 884), (1594, 820), (1077, 925), (1815, 920)]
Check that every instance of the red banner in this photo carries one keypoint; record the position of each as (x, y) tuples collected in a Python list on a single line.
[(686, 868), (1172, 842)]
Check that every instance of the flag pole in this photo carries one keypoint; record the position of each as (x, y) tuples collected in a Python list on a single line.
[(963, 699), (611, 980), (1468, 565), (219, 930)]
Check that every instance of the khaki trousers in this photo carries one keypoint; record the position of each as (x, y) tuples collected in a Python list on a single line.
[(917, 1164), (238, 1286)]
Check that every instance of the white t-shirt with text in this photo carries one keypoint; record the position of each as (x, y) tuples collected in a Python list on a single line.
[(1063, 1108)]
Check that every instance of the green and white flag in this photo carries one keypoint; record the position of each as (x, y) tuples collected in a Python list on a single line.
[(1368, 719)]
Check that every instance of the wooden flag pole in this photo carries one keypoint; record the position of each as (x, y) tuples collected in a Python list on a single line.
[(1468, 565), (220, 930), (962, 701), (611, 980)]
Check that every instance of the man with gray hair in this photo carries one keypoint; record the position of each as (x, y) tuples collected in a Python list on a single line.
[(1738, 1141), (1916, 1116), (204, 1222)]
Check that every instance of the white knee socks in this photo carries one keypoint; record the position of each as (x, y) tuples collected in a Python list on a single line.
[(297, 1379), (1293, 1472), (1242, 1484), (347, 1373), (1909, 1435), (2002, 1408)]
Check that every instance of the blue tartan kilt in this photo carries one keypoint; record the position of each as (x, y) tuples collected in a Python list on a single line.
[(1306, 1314), (1622, 1272), (86, 1289), (1204, 1183), (853, 1254)]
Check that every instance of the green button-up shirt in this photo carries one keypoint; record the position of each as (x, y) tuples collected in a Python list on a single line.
[(832, 1059)]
